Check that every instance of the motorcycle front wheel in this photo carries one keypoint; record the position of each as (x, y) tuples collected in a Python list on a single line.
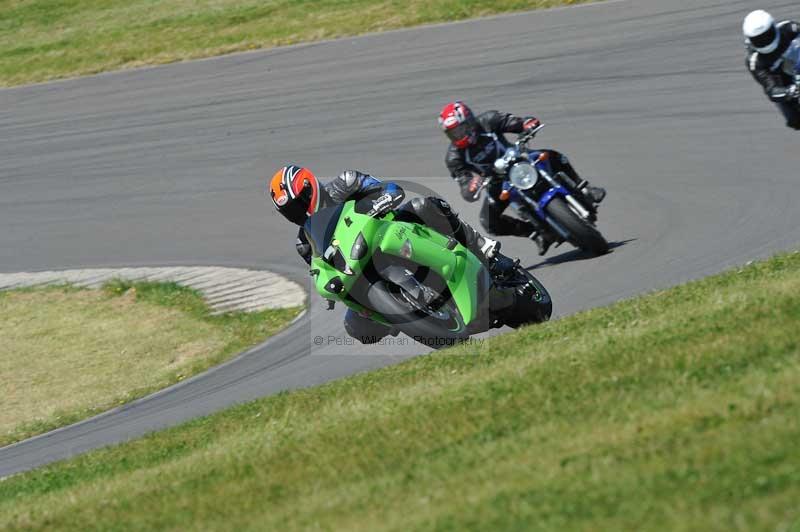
[(582, 234), (438, 328)]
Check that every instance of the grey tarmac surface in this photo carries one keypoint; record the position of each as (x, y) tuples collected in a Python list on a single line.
[(166, 166)]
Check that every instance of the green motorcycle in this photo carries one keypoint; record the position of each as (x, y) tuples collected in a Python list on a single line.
[(414, 279)]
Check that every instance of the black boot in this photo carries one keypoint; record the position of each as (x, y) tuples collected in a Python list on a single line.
[(594, 194), (482, 247), (486, 249), (542, 242), (536, 232), (503, 267), (488, 252)]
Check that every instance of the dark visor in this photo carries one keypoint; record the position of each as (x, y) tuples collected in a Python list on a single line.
[(763, 40), (460, 131), (296, 210)]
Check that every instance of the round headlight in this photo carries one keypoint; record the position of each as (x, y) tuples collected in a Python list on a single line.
[(523, 176)]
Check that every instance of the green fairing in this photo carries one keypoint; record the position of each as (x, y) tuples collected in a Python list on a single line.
[(459, 268)]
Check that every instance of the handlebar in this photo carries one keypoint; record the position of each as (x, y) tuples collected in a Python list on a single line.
[(521, 141), (484, 184), (382, 205), (528, 135)]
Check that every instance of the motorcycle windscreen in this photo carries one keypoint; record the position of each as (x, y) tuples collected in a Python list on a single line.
[(791, 58), (320, 227)]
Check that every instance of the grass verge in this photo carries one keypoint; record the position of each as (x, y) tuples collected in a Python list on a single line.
[(71, 353), (47, 39), (679, 410)]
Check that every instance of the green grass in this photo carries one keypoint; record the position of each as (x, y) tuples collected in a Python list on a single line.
[(70, 353), (679, 410), (47, 39)]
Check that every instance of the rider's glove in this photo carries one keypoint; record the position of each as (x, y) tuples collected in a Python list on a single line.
[(390, 199), (530, 123), (470, 187)]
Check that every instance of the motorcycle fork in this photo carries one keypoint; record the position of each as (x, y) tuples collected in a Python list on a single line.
[(561, 233), (578, 189), (529, 215)]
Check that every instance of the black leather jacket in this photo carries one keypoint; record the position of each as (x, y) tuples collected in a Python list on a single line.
[(491, 144), (767, 68)]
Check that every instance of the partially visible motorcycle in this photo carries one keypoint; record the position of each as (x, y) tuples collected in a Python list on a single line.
[(414, 279), (791, 61), (536, 191)]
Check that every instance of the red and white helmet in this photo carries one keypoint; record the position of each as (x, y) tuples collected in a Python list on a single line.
[(295, 193), (458, 123)]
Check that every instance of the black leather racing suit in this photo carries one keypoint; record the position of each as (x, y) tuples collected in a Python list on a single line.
[(479, 159), (432, 211), (767, 69)]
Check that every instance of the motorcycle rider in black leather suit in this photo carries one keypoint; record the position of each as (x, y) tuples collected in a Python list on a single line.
[(766, 43), (297, 194), (475, 143)]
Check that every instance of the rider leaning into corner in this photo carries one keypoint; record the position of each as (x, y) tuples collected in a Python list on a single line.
[(297, 194), (475, 143), (766, 43)]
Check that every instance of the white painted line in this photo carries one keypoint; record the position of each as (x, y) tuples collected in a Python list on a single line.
[(251, 290), (245, 283)]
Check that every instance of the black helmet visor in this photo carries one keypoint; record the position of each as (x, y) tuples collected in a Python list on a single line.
[(296, 210), (765, 39), (462, 130)]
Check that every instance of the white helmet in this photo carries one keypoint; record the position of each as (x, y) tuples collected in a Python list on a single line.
[(760, 31)]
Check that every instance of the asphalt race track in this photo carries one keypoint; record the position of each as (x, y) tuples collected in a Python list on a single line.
[(166, 166)]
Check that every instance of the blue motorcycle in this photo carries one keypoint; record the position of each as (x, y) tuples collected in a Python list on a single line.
[(791, 60), (535, 191)]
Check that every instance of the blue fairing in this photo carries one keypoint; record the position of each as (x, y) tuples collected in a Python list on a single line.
[(551, 193), (546, 198), (369, 182)]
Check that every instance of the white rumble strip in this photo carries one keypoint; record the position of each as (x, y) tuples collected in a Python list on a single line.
[(224, 289)]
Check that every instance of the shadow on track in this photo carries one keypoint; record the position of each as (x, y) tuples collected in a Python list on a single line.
[(576, 255)]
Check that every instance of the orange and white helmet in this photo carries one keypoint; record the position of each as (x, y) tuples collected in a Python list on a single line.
[(295, 193)]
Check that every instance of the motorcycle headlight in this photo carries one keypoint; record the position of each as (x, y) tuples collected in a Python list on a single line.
[(523, 176), (359, 249)]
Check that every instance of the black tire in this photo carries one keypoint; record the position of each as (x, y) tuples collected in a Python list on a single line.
[(582, 234), (438, 333), (532, 305)]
